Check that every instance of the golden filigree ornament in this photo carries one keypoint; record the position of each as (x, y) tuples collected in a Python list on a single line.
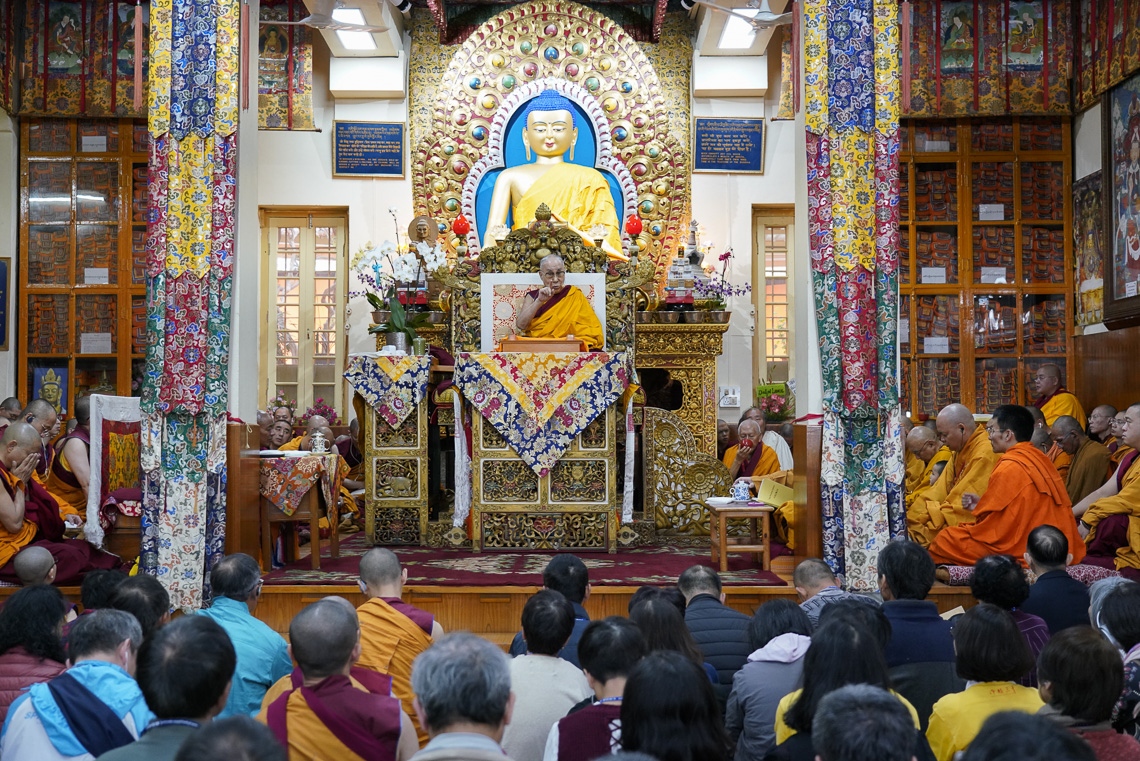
[(585, 56)]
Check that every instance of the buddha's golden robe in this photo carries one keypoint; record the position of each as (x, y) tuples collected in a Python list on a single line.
[(578, 195), (966, 472), (571, 315), (1062, 403)]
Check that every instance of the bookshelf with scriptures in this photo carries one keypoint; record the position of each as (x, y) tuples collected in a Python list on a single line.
[(82, 287), (985, 253)]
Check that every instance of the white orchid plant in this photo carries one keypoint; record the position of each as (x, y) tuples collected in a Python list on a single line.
[(390, 268)]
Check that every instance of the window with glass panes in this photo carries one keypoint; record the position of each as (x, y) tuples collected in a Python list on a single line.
[(770, 284)]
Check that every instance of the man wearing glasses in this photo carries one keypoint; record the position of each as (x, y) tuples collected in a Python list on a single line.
[(1025, 491), (1090, 466), (1054, 399), (968, 471)]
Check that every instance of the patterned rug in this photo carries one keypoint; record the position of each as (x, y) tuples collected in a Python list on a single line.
[(660, 565)]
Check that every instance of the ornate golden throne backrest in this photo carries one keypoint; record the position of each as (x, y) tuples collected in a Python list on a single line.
[(520, 252), (678, 476)]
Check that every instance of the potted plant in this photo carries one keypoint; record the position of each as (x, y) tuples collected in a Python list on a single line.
[(712, 294)]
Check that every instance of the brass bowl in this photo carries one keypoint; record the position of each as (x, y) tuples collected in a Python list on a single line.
[(695, 318), (720, 316), (643, 317), (668, 318), (437, 318)]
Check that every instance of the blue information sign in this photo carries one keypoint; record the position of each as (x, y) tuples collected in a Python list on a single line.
[(370, 149), (728, 145)]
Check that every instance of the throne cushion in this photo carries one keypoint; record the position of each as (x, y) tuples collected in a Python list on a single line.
[(497, 315)]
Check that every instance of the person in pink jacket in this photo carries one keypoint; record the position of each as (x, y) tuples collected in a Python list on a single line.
[(31, 644)]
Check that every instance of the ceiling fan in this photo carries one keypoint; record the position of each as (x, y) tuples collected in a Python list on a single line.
[(325, 17), (757, 13)]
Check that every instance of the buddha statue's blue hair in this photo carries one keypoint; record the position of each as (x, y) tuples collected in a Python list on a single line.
[(549, 100)]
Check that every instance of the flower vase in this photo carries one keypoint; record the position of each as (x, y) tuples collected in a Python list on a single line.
[(398, 340), (381, 316)]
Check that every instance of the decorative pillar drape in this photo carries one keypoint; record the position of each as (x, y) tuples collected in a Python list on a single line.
[(851, 62), (193, 111)]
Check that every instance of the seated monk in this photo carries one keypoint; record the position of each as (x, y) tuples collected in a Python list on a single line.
[(749, 457), (1089, 468), (1024, 492), (1100, 426), (324, 713), (1042, 441), (42, 416), (1122, 449), (265, 429), (1058, 456), (280, 434), (304, 442), (392, 632), (968, 470), (10, 410), (1110, 516), (558, 310), (29, 515), (1054, 400), (349, 449), (912, 466), (922, 444), (71, 469)]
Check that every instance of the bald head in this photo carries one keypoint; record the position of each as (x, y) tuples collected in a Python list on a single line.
[(1048, 379), (21, 435), (39, 409), (316, 422), (1038, 417), (380, 569), (922, 443), (957, 414), (756, 415), (324, 638), (811, 576), (1100, 421), (1068, 433), (10, 408), (1042, 440), (34, 565), (749, 429), (1130, 427), (264, 419), (955, 425)]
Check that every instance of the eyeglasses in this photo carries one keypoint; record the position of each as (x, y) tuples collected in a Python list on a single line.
[(1062, 438), (992, 430)]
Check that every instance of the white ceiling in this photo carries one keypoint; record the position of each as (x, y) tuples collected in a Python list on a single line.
[(712, 23), (376, 13)]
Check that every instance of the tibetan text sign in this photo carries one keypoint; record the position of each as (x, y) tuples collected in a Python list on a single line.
[(368, 149), (728, 145)]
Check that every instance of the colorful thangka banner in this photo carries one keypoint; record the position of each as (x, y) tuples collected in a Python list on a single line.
[(284, 68)]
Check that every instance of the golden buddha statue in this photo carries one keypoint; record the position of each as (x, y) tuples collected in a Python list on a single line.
[(578, 196)]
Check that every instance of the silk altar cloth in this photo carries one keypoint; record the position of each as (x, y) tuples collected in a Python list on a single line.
[(286, 480), (540, 402), (393, 386)]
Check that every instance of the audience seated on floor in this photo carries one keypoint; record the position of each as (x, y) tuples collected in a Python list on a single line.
[(184, 671), (34, 565), (463, 699), (920, 655), (1081, 678), (669, 711), (392, 632), (992, 657), (326, 716), (262, 655), (1024, 492), (664, 629), (968, 471), (1056, 597), (609, 649), (237, 738), (1018, 736), (1000, 581), (720, 632), (31, 649), (102, 650), (568, 575), (1119, 621), (146, 599), (545, 686), (818, 587), (779, 635), (863, 723), (1108, 514)]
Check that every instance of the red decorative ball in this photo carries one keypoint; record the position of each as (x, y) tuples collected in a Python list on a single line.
[(461, 226), (633, 225)]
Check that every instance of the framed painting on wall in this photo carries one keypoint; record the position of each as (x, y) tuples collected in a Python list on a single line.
[(1121, 152)]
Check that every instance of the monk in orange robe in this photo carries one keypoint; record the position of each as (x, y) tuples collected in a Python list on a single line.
[(750, 461), (558, 310), (324, 714), (30, 516), (1110, 516), (1024, 492), (967, 471), (1054, 399), (392, 632)]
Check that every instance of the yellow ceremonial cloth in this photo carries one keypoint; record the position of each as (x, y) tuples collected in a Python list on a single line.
[(1024, 492), (1124, 502), (577, 195), (966, 472), (769, 461), (11, 543), (72, 499), (1060, 459), (572, 315), (1120, 453), (1064, 403), (1088, 471), (292, 445), (389, 642), (284, 684)]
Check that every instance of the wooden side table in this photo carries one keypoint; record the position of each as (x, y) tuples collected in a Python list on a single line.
[(758, 541)]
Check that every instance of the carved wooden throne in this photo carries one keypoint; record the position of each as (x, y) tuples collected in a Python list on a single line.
[(678, 477), (575, 506)]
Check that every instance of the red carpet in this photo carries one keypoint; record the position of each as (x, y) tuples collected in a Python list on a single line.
[(660, 565)]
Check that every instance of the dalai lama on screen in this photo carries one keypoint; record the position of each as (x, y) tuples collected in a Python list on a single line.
[(558, 310)]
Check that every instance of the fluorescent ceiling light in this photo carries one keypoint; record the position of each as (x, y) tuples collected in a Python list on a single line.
[(738, 34), (356, 40), (348, 16)]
